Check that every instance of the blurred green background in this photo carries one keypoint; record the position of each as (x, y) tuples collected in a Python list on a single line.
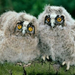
[(35, 7)]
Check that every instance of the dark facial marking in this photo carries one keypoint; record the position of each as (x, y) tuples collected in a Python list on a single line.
[(31, 28), (47, 20), (59, 20)]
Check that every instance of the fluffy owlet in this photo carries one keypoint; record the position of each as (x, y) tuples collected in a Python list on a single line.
[(20, 37), (56, 35)]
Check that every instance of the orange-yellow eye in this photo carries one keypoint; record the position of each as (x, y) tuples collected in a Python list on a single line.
[(19, 26), (48, 19), (59, 19), (30, 29)]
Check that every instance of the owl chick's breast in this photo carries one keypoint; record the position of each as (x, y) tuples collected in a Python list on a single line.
[(63, 44)]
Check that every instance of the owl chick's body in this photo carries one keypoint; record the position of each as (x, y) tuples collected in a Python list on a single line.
[(58, 38), (19, 44)]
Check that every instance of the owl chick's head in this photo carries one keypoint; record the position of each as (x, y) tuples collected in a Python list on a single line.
[(53, 20), (25, 27), (55, 16), (20, 24)]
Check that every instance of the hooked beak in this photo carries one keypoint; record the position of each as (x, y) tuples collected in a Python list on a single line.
[(52, 23), (24, 29)]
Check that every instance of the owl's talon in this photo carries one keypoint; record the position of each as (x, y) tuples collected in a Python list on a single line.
[(20, 64), (47, 57), (44, 57), (68, 65), (64, 63), (27, 65)]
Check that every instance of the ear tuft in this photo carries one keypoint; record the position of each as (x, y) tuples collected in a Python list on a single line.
[(33, 20), (60, 9), (47, 8)]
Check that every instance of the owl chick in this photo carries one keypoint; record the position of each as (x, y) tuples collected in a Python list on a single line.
[(20, 37), (56, 35)]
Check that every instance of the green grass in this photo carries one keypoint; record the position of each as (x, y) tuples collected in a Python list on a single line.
[(35, 69)]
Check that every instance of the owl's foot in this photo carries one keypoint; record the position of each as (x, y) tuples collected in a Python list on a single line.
[(64, 63), (67, 64), (45, 57), (26, 65), (20, 64)]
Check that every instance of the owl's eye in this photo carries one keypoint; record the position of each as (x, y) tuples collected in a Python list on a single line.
[(59, 19), (19, 26), (48, 19), (30, 29)]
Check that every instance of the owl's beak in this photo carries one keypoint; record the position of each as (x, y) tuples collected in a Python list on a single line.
[(24, 30), (52, 23)]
